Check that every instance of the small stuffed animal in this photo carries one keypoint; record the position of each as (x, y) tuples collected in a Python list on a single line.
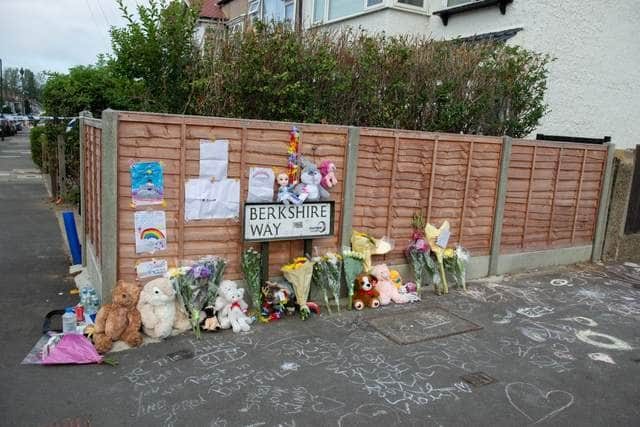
[(365, 294), (386, 288), (310, 180), (275, 299), (210, 322), (157, 308), (231, 307), (328, 171), (119, 320)]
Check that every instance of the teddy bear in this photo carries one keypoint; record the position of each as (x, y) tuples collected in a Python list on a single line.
[(157, 307), (310, 179), (387, 289), (365, 294), (119, 320), (328, 172), (231, 307)]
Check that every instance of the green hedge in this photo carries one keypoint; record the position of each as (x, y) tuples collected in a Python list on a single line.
[(36, 144), (353, 78)]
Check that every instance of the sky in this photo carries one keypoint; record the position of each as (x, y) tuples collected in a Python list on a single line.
[(54, 35)]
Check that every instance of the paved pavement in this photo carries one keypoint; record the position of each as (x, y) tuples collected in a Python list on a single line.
[(560, 347)]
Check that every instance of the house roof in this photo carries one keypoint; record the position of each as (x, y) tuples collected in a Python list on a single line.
[(497, 36), (211, 10)]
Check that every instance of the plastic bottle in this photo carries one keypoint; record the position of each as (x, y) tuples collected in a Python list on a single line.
[(69, 321)]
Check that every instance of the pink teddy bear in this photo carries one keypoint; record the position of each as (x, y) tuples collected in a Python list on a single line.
[(387, 290), (328, 172)]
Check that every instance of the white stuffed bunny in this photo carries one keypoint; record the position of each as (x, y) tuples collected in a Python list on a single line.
[(157, 308), (310, 179), (231, 307)]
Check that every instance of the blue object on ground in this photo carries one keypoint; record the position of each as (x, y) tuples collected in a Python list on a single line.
[(72, 237)]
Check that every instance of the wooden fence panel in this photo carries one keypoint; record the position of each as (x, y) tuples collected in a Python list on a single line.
[(92, 186), (552, 196), (450, 177), (176, 141), (553, 193)]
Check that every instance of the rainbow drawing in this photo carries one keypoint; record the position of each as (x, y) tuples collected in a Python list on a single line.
[(151, 233)]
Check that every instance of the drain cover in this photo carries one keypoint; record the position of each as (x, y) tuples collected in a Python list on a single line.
[(421, 325), (478, 379)]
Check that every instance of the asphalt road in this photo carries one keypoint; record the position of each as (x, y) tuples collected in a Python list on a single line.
[(559, 347)]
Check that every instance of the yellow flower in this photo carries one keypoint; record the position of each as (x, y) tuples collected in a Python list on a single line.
[(449, 253)]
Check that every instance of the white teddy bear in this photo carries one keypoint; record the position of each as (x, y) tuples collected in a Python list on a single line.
[(231, 307), (157, 308)]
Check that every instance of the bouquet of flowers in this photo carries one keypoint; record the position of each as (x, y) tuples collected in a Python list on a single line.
[(299, 273), (353, 264), (327, 273), (456, 263), (437, 242), (197, 285), (251, 268), (368, 245)]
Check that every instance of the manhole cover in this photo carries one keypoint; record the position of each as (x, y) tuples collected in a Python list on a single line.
[(478, 379), (421, 325)]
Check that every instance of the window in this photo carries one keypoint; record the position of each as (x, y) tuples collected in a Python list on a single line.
[(328, 10), (340, 8), (289, 9), (318, 10), (254, 10), (237, 27), (451, 3), (416, 3)]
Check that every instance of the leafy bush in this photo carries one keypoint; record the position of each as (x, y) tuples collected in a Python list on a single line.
[(36, 144), (91, 88), (353, 78)]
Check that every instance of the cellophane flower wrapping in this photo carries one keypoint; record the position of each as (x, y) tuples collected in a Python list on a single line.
[(320, 279), (197, 285), (251, 260), (456, 263), (333, 266), (299, 274), (353, 264), (327, 274)]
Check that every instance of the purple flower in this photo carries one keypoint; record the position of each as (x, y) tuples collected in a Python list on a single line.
[(420, 245)]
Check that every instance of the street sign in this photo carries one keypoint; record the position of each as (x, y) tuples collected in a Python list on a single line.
[(264, 222)]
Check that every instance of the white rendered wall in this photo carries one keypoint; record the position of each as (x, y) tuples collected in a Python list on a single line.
[(391, 20), (594, 82)]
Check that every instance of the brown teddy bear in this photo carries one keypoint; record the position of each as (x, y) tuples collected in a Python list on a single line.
[(365, 293), (119, 320)]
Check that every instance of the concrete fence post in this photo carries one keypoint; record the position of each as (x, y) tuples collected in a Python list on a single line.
[(83, 209), (603, 205), (501, 196), (349, 194), (109, 204), (62, 169)]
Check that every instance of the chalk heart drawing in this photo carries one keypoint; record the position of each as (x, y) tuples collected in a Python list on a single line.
[(369, 415), (534, 403)]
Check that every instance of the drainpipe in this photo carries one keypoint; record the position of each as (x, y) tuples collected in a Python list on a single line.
[(298, 25)]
